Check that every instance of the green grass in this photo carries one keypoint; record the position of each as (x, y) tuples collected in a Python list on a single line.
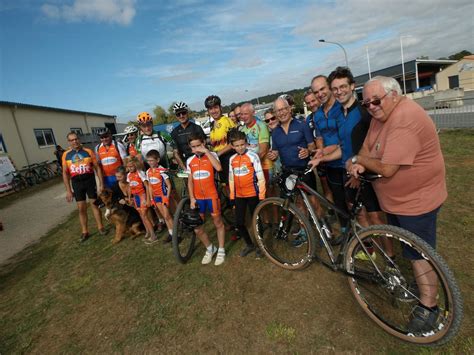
[(63, 296)]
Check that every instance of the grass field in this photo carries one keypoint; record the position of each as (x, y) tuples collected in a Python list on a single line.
[(62, 296)]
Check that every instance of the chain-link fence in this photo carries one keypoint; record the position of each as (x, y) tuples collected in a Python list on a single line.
[(458, 113)]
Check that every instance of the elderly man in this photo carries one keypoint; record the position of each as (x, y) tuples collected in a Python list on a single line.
[(79, 164), (402, 146), (258, 137), (110, 155), (292, 141)]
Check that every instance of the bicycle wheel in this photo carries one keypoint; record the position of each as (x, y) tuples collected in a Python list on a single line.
[(17, 184), (184, 238), (32, 178), (390, 294), (43, 174), (283, 234)]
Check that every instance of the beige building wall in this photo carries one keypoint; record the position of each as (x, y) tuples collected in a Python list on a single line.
[(20, 139), (464, 69)]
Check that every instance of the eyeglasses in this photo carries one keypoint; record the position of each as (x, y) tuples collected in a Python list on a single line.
[(375, 102), (182, 113), (282, 110), (267, 120)]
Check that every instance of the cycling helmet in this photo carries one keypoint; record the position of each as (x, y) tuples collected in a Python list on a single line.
[(212, 101), (130, 129), (180, 106), (104, 132), (144, 117), (192, 218)]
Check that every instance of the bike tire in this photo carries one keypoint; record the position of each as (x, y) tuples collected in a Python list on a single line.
[(388, 299), (227, 211), (278, 241), (184, 238), (43, 174), (17, 184), (31, 178)]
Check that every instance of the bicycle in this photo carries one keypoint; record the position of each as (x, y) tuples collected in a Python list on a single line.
[(18, 182), (384, 286), (34, 173)]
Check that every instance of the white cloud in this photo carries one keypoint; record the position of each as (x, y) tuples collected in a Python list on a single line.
[(120, 12)]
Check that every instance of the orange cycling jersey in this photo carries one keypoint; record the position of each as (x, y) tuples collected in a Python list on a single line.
[(110, 158), (201, 172), (157, 180), (79, 162), (136, 181), (132, 151), (246, 176)]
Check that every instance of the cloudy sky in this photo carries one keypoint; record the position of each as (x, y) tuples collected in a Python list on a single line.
[(122, 57)]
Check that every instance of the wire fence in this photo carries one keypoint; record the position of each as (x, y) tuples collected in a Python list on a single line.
[(458, 113)]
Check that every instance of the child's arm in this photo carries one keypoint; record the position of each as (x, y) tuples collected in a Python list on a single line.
[(191, 192), (216, 164), (231, 181), (260, 178)]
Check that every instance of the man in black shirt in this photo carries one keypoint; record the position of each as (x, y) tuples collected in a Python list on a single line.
[(181, 149)]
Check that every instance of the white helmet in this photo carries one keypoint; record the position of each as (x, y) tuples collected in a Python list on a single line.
[(180, 106), (130, 129)]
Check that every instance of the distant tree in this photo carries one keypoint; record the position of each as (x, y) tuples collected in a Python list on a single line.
[(160, 115), (460, 55)]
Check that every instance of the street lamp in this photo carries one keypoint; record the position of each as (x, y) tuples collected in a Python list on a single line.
[(403, 65), (340, 45)]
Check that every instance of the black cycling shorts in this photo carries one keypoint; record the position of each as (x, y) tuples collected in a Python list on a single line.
[(368, 197), (83, 185)]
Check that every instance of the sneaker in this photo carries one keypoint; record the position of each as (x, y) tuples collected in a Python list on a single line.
[(103, 232), (208, 256), (220, 258), (362, 256), (301, 238), (151, 240), (247, 250), (422, 320), (84, 237), (168, 239)]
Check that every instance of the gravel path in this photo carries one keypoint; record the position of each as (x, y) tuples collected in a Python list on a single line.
[(25, 221)]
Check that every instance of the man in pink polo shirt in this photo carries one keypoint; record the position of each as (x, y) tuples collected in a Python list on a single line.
[(402, 145)]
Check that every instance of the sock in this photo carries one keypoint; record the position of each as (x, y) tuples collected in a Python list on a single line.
[(428, 308), (170, 231), (210, 248), (161, 220), (221, 250)]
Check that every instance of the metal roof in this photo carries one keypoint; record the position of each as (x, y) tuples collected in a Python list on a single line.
[(395, 71), (37, 107)]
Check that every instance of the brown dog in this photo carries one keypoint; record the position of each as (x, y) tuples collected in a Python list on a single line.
[(126, 218)]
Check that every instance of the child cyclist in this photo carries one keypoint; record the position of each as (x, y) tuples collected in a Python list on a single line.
[(160, 189), (203, 194), (246, 183), (138, 190)]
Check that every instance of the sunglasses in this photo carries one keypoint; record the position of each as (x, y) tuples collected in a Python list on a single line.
[(267, 120), (182, 113), (375, 102)]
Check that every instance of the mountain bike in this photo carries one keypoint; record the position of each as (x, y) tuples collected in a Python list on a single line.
[(18, 182), (35, 173), (382, 283)]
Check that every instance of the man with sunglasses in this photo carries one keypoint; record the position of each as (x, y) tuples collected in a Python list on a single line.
[(402, 145), (110, 155), (180, 134)]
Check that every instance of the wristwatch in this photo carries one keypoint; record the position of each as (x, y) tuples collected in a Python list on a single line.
[(354, 159)]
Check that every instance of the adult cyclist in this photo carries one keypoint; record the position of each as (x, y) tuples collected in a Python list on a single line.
[(131, 134), (180, 134), (218, 136), (149, 139)]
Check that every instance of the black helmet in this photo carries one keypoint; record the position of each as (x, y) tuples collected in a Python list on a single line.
[(192, 218), (212, 101)]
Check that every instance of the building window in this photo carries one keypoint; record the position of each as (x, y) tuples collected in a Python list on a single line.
[(97, 130), (453, 81), (45, 137), (78, 131)]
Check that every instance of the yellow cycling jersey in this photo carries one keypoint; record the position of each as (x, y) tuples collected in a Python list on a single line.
[(218, 135)]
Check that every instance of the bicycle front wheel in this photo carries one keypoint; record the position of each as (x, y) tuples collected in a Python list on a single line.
[(283, 234), (184, 237), (383, 281)]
